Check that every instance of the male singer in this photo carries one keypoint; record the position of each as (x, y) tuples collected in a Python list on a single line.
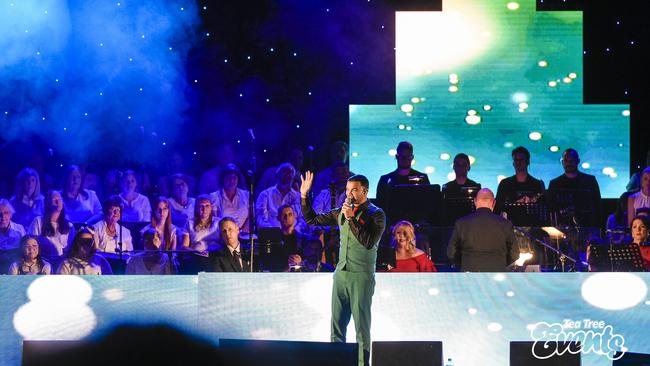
[(361, 225)]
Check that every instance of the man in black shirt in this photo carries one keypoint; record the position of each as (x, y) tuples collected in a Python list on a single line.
[(575, 195), (521, 187), (454, 189), (403, 175)]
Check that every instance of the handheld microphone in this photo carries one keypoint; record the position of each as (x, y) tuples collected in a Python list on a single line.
[(350, 201)]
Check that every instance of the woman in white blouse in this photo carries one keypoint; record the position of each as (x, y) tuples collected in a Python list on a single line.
[(53, 229), (136, 206), (10, 232), (231, 201), (81, 205), (201, 232), (181, 205), (28, 202), (82, 258), (108, 231)]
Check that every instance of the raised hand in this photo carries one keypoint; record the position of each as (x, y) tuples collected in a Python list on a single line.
[(305, 183)]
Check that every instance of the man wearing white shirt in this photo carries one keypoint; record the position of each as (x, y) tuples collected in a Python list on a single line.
[(272, 198), (230, 201), (323, 202)]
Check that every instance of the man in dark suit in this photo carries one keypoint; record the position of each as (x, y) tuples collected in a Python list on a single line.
[(229, 259), (482, 241)]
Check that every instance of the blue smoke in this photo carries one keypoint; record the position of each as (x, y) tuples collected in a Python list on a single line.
[(96, 79)]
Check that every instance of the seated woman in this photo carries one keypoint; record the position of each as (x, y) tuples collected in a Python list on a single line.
[(152, 261), (108, 233), (640, 226), (409, 258), (161, 221), (30, 262), (81, 205), (230, 201), (28, 202), (10, 232), (136, 207), (181, 205), (201, 233), (53, 229), (82, 258)]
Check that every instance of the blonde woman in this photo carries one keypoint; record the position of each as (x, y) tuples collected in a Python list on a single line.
[(28, 202), (409, 258)]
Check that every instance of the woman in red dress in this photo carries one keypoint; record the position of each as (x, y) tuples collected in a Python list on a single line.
[(409, 258), (639, 228)]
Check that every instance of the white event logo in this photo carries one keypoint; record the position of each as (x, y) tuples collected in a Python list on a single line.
[(575, 336)]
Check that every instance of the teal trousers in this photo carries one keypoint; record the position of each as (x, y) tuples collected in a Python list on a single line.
[(352, 296)]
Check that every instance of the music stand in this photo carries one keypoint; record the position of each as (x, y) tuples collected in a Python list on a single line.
[(270, 240), (457, 204), (615, 258), (527, 214), (415, 203)]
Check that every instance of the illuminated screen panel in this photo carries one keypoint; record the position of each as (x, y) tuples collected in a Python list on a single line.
[(475, 315), (482, 77), (74, 307)]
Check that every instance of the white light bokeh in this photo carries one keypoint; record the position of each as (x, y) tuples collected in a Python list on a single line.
[(40, 320), (585, 165), (429, 170), (520, 97), (608, 170), (445, 156), (494, 327), (433, 292), (451, 176), (614, 291), (472, 311), (406, 108), (473, 120), (392, 152), (114, 294), (63, 289), (535, 136), (452, 37), (57, 309)]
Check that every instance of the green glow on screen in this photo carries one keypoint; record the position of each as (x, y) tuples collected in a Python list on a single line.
[(482, 77)]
